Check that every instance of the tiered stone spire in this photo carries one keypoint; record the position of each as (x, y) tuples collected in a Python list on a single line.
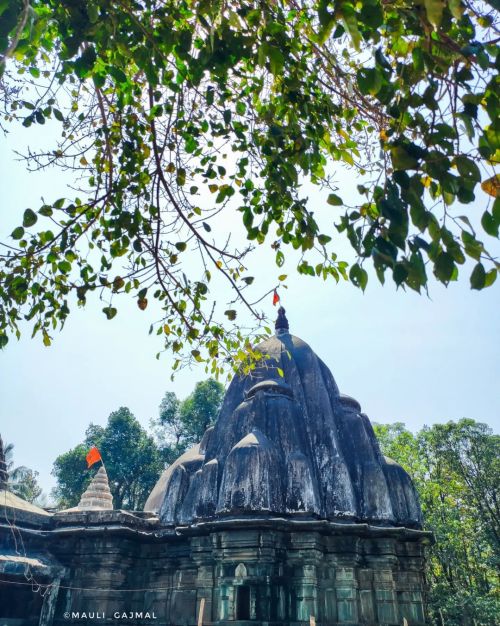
[(97, 494), (4, 476)]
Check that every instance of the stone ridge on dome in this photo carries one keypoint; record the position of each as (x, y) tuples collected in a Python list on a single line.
[(287, 443), (271, 386)]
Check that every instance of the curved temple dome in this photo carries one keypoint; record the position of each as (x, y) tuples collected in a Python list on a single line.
[(288, 445)]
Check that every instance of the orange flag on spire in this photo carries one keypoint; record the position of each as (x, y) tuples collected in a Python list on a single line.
[(276, 298), (93, 456)]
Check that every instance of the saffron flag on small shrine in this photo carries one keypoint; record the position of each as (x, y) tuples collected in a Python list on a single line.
[(93, 456), (276, 298)]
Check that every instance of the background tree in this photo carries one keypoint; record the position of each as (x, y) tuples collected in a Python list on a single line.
[(70, 471), (456, 470), (200, 409), (182, 423), (180, 113), (168, 428), (22, 480), (132, 461)]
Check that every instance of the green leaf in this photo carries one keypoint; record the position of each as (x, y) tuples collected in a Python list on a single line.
[(231, 314), (456, 8), (369, 80), (17, 233), (334, 200), (350, 21), (46, 211), (489, 224), (478, 277), (495, 211), (400, 273), (467, 168), (118, 74), (85, 63), (92, 12), (402, 160), (29, 218), (181, 176), (197, 355), (64, 267), (444, 266), (491, 277), (434, 11), (109, 312), (276, 60), (473, 247), (247, 218), (358, 276)]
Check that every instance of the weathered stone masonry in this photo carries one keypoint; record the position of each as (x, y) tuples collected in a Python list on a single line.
[(286, 510)]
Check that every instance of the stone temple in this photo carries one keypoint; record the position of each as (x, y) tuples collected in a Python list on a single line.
[(285, 514)]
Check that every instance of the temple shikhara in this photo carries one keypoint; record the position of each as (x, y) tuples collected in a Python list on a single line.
[(286, 513)]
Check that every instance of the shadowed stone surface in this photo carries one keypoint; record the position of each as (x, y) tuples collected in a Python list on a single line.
[(289, 445)]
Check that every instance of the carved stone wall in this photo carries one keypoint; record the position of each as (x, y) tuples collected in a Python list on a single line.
[(257, 572)]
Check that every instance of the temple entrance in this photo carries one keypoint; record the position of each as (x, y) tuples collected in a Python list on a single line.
[(243, 602)]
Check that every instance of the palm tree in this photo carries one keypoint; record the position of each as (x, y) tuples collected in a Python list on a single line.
[(20, 480), (16, 474)]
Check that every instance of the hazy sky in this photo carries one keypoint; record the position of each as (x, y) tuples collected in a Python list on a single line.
[(404, 357)]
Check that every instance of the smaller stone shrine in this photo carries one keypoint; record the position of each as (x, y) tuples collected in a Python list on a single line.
[(97, 496), (285, 513)]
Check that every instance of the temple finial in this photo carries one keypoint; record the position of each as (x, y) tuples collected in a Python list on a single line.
[(4, 476), (281, 324)]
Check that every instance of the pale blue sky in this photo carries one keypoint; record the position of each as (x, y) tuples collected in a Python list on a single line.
[(404, 357)]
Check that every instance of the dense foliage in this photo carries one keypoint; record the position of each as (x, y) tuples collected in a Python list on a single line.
[(456, 469), (180, 115), (182, 423)]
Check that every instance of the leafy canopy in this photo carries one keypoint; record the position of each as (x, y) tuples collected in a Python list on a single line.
[(456, 470), (180, 114), (182, 423)]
